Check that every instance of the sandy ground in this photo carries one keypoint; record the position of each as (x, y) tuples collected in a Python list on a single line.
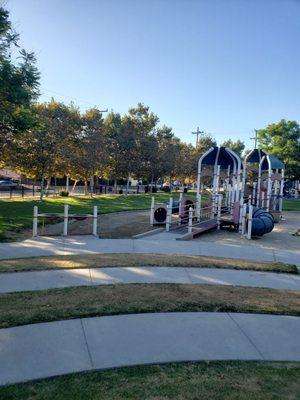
[(280, 237)]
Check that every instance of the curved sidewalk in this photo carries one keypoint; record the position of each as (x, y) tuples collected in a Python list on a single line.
[(49, 349), (39, 280), (50, 246)]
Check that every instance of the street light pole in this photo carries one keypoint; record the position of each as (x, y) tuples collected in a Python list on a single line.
[(197, 133), (255, 139)]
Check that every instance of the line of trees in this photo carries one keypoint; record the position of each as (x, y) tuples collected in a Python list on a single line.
[(54, 139)]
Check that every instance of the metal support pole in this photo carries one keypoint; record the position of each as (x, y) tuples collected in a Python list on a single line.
[(220, 197), (241, 214), (95, 221), (281, 190), (66, 219), (190, 224), (35, 221), (198, 208), (244, 217), (250, 212), (254, 193), (262, 199)]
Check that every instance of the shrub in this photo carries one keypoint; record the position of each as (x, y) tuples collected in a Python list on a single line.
[(64, 193)]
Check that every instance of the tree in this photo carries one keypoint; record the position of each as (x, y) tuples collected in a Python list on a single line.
[(19, 82), (131, 142), (283, 141), (90, 155), (185, 162), (168, 150), (238, 146), (40, 152), (205, 142)]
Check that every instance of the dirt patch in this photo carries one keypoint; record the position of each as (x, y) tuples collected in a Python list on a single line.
[(120, 225)]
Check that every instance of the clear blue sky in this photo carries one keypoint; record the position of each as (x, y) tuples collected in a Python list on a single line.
[(227, 66)]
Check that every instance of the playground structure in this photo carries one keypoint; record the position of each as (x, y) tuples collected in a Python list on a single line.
[(224, 198), (65, 217), (267, 181)]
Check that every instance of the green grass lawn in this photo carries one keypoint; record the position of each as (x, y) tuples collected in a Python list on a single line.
[(217, 380), (16, 215), (291, 205)]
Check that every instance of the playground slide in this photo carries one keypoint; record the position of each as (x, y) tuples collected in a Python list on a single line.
[(262, 222)]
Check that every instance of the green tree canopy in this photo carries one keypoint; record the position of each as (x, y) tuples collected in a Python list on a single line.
[(19, 80), (43, 151), (238, 146), (283, 141)]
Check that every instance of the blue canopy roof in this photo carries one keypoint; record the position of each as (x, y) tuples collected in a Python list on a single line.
[(220, 156), (255, 156), (275, 163)]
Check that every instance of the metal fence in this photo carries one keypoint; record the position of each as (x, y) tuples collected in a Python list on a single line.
[(27, 191)]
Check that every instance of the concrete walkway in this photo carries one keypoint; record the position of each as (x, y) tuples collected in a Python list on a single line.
[(43, 350), (49, 246), (38, 280)]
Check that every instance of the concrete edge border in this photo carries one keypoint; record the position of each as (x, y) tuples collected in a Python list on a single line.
[(148, 233)]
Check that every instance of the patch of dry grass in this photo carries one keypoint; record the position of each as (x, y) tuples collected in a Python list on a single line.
[(217, 380), (134, 259), (56, 304)]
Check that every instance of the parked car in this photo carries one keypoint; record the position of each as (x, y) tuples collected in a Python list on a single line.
[(8, 184)]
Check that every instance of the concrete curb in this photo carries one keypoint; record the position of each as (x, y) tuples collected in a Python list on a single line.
[(148, 233)]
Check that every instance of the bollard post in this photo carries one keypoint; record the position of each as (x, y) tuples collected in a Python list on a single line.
[(95, 220), (250, 212), (66, 219), (180, 208), (152, 210), (170, 210), (35, 221), (171, 203), (190, 224), (168, 219)]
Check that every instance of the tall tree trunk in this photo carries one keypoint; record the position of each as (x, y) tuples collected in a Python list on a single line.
[(42, 188), (85, 186), (127, 185), (92, 185), (48, 183), (67, 183), (74, 185)]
